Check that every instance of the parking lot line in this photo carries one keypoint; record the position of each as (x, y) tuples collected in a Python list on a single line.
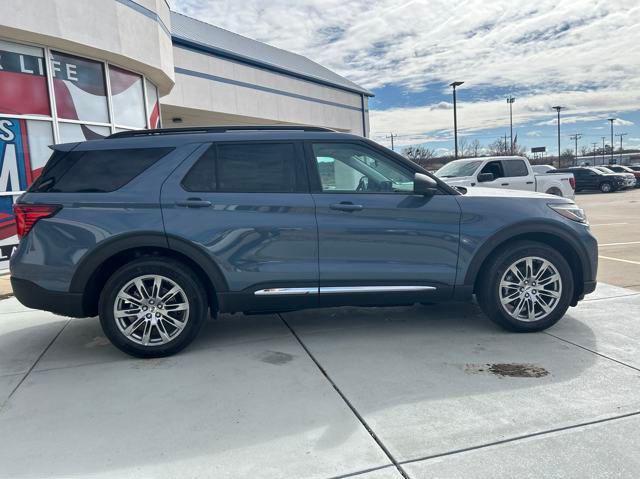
[(618, 259), (619, 244)]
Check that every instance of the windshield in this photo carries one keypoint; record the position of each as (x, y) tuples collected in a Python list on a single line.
[(458, 168)]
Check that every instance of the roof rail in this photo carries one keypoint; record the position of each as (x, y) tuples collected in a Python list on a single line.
[(215, 129)]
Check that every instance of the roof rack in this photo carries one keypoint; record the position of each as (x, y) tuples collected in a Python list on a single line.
[(215, 129)]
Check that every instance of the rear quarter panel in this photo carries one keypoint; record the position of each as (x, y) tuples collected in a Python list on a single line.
[(51, 253)]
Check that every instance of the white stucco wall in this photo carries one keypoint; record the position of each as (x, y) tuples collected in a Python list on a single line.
[(124, 33), (210, 83)]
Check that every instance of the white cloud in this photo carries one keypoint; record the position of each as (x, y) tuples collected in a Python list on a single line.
[(534, 133), (578, 53)]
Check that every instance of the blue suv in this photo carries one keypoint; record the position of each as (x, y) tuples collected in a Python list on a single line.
[(153, 230)]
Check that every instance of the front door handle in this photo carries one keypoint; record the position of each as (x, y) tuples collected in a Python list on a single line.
[(529, 182), (504, 184), (346, 206), (194, 203)]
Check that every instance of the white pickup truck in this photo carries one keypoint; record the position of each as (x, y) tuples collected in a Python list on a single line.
[(510, 172)]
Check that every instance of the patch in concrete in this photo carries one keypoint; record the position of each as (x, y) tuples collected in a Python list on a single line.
[(275, 357), (512, 370)]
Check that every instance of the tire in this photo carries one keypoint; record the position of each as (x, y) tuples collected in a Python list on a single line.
[(489, 290), (554, 192), (171, 326), (606, 187)]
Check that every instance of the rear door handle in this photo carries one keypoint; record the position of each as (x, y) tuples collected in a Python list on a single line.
[(193, 203), (346, 207), (505, 184), (529, 182)]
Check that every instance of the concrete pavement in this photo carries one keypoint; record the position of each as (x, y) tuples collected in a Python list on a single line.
[(420, 391)]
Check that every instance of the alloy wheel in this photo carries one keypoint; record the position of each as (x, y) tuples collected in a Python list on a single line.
[(151, 310), (530, 289)]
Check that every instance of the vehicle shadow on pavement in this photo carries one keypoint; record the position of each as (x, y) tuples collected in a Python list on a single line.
[(247, 386)]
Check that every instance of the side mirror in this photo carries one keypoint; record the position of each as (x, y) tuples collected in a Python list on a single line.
[(484, 177), (424, 185)]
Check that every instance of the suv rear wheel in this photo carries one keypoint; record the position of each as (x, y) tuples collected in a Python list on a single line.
[(528, 287), (152, 307)]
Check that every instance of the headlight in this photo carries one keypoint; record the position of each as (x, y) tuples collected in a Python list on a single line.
[(570, 211)]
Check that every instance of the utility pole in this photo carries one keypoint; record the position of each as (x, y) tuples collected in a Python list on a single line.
[(576, 137), (558, 109), (455, 84), (392, 137), (621, 135), (611, 120), (510, 101), (603, 149), (595, 144)]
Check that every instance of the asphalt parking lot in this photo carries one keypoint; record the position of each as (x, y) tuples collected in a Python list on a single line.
[(615, 221), (423, 391)]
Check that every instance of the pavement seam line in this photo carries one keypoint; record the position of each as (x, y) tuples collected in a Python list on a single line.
[(627, 295), (44, 351), (520, 438), (363, 422), (363, 471), (592, 351)]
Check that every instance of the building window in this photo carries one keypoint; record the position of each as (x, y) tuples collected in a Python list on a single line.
[(80, 88), (23, 80), (127, 98)]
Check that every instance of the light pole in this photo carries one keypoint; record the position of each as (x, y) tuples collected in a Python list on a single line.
[(611, 120), (595, 144), (510, 101), (558, 109), (603, 149), (455, 84)]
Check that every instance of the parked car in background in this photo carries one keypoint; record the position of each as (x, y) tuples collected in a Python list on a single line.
[(542, 169), (153, 230), (630, 179), (588, 178), (508, 172), (626, 169)]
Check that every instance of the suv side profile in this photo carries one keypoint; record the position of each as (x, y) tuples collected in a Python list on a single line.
[(155, 230)]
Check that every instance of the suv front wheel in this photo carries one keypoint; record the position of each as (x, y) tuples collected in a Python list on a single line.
[(152, 307), (528, 287)]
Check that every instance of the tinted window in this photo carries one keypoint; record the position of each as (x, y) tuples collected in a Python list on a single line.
[(515, 168), (495, 168), (245, 168), (97, 171)]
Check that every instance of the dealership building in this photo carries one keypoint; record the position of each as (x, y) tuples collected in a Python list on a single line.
[(78, 70)]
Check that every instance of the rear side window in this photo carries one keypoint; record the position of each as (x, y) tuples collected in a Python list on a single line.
[(244, 168), (97, 171), (515, 168)]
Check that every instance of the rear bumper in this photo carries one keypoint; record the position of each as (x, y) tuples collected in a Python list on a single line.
[(33, 296)]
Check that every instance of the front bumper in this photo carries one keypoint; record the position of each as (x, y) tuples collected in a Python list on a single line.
[(36, 297)]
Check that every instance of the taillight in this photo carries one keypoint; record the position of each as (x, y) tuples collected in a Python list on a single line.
[(28, 215), (572, 182)]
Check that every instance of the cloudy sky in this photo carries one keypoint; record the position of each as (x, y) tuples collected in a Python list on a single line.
[(583, 54)]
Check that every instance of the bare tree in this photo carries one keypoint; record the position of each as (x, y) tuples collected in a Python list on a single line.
[(500, 147), (463, 147), (584, 151), (474, 148), (419, 154)]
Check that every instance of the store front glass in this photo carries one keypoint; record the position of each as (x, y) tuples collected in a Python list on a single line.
[(49, 97)]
